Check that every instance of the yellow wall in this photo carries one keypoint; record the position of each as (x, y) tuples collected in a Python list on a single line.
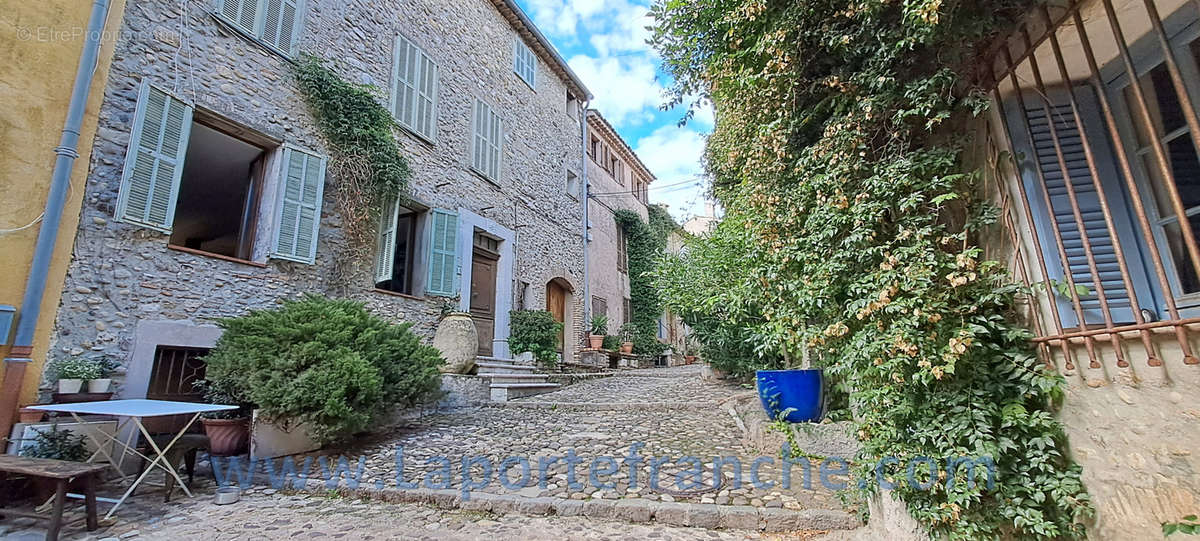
[(40, 45)]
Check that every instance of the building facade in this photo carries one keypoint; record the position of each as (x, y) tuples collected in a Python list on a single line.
[(617, 180), (1092, 133), (48, 39), (211, 190)]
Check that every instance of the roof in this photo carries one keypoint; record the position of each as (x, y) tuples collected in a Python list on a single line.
[(601, 124), (542, 46)]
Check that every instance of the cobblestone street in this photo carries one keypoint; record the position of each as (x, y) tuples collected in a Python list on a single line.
[(671, 412)]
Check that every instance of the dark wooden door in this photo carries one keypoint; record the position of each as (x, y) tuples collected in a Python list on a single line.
[(556, 304), (483, 298)]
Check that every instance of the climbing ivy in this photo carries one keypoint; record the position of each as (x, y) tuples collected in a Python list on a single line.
[(851, 237), (645, 243), (366, 160)]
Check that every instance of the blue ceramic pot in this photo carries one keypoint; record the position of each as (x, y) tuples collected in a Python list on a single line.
[(801, 393)]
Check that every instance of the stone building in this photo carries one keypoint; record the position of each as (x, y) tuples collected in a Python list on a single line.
[(210, 190), (617, 179)]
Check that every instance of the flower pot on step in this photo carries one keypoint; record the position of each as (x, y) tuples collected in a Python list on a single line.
[(796, 395), (100, 385), (596, 341), (626, 347), (69, 386), (227, 437)]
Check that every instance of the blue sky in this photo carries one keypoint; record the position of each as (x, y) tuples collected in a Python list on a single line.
[(604, 43)]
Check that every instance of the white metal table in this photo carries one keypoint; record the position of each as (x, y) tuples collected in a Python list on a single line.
[(134, 410)]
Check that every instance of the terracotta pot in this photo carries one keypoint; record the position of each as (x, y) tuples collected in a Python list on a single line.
[(69, 386), (100, 385), (596, 341), (627, 347), (690, 358), (30, 416), (458, 341), (227, 437)]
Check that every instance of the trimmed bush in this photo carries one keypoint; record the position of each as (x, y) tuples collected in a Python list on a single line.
[(535, 331), (326, 363)]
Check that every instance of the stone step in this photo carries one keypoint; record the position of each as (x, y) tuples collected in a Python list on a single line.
[(503, 392), (516, 377), (494, 367)]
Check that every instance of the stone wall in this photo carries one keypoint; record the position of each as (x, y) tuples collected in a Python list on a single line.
[(122, 274)]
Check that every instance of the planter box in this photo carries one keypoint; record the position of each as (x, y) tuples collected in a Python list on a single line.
[(268, 440)]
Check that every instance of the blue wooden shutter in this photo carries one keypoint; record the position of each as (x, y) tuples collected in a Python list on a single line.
[(443, 253), (1089, 206), (243, 13), (154, 160), (281, 24), (298, 217)]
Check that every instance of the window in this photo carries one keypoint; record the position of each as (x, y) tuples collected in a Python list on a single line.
[(622, 254), (443, 254), (175, 372), (201, 181), (626, 310), (524, 62), (618, 170), (594, 148), (572, 106), (396, 249), (599, 306), (276, 22), (414, 89), (573, 187), (486, 146)]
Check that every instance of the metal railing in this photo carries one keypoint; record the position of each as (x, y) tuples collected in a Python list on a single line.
[(1015, 63)]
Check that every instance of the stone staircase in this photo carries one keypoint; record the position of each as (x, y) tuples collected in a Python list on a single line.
[(510, 380)]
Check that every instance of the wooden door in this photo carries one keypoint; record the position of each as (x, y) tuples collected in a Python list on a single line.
[(556, 304), (483, 298)]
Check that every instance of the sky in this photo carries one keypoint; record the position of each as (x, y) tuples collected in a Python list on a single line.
[(604, 42)]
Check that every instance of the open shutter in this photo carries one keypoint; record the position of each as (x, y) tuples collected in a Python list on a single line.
[(385, 246), (241, 12), (154, 160), (443, 253), (299, 208), (1088, 200), (281, 24)]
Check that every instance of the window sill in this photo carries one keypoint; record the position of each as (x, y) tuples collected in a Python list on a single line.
[(396, 294), (194, 251), (431, 141), (485, 178)]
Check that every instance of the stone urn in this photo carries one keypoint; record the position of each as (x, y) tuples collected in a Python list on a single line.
[(458, 342)]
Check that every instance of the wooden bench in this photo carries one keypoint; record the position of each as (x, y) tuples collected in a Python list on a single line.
[(61, 472)]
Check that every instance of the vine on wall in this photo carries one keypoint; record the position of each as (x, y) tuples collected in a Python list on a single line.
[(644, 246), (850, 232)]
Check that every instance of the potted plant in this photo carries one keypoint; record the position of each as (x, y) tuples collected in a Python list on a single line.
[(228, 431), (598, 329), (795, 395), (58, 445), (689, 354), (103, 380), (72, 372), (628, 331)]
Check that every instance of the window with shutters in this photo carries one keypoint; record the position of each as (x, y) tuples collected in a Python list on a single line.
[(524, 62), (414, 89), (277, 23), (599, 306), (203, 180), (487, 141), (396, 261), (443, 253)]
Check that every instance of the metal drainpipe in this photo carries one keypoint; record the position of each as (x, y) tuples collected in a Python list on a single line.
[(35, 284), (587, 285)]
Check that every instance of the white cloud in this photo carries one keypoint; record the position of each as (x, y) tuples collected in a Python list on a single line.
[(627, 32), (673, 155), (561, 17), (626, 88)]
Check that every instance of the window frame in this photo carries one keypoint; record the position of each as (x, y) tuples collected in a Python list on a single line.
[(434, 98), (523, 56), (489, 111), (260, 19)]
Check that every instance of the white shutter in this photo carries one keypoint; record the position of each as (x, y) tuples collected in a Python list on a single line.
[(443, 253), (385, 246), (486, 149), (242, 13), (414, 88), (154, 160), (281, 23), (524, 62), (298, 216)]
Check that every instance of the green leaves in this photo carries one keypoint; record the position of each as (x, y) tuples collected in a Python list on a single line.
[(535, 331), (1187, 526)]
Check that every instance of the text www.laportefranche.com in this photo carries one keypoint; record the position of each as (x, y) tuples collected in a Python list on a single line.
[(684, 474)]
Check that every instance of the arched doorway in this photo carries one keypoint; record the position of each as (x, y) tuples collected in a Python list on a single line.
[(558, 294)]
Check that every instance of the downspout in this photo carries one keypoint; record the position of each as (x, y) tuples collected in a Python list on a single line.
[(35, 284), (587, 284)]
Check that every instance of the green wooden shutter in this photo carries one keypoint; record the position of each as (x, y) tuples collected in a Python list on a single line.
[(154, 160), (243, 13), (299, 209), (281, 23), (385, 246), (443, 253)]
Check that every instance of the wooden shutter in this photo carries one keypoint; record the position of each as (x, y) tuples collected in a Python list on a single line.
[(281, 23), (1088, 200), (243, 13), (154, 160), (385, 248), (299, 210), (443, 253), (524, 62), (414, 88)]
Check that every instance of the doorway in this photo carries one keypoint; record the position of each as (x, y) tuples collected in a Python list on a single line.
[(484, 259), (556, 304)]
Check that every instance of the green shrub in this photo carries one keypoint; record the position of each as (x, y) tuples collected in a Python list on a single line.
[(326, 363), (535, 331), (611, 343), (57, 444)]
